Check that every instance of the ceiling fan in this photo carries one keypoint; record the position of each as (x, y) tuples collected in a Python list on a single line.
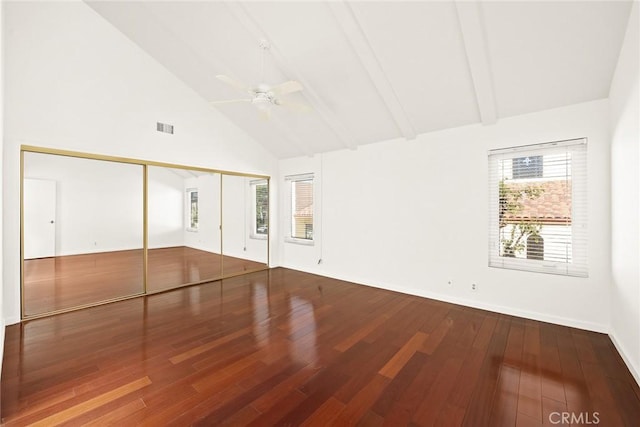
[(264, 96)]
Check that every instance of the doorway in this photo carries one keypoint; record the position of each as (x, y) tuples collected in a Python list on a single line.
[(39, 218)]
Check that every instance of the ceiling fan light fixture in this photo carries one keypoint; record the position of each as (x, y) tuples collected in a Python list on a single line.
[(263, 95), (262, 101)]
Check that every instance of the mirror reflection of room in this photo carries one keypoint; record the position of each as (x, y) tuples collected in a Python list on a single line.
[(183, 226), (245, 221), (83, 222), (82, 225)]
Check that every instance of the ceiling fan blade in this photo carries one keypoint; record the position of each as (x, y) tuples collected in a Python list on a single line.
[(229, 101), (233, 82), (287, 87), (294, 106)]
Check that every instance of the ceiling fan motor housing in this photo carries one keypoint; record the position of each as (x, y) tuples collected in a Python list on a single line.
[(263, 100), (263, 96)]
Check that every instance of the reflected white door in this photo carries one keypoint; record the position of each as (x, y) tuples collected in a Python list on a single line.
[(39, 218)]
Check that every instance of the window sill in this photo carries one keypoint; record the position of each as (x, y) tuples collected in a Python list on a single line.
[(545, 267), (259, 236), (192, 230), (303, 242)]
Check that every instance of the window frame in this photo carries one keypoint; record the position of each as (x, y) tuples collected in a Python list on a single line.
[(189, 213), (253, 188), (577, 265), (289, 181)]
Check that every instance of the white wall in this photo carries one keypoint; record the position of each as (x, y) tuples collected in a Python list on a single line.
[(99, 207), (625, 195), (166, 201), (410, 215), (98, 204), (74, 82), (2, 282)]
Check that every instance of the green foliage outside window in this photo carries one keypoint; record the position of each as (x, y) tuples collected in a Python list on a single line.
[(511, 207), (193, 206), (262, 209)]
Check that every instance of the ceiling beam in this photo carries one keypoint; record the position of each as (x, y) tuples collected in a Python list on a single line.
[(360, 45), (475, 44), (249, 23)]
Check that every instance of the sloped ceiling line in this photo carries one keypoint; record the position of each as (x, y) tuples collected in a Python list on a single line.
[(289, 135), (361, 46), (475, 43), (250, 24)]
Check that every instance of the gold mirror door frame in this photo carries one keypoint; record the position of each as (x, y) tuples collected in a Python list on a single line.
[(166, 252)]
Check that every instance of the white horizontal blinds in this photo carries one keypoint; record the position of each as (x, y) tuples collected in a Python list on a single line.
[(301, 212), (538, 208)]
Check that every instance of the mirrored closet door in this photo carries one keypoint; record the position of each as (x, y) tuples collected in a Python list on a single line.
[(183, 227), (82, 232), (97, 229), (245, 224)]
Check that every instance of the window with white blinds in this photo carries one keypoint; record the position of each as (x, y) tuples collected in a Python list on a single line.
[(538, 208), (300, 212)]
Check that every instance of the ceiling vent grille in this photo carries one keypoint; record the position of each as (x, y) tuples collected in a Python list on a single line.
[(165, 128)]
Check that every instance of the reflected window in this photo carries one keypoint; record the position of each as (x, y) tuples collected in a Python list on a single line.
[(301, 208), (192, 208), (260, 204)]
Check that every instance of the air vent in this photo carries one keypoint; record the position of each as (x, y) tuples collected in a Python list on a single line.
[(163, 127)]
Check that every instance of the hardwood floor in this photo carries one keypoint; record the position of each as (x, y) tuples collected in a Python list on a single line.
[(171, 267), (64, 282), (286, 348)]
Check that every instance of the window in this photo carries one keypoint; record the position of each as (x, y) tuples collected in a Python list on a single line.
[(538, 208), (260, 205), (300, 212), (192, 209)]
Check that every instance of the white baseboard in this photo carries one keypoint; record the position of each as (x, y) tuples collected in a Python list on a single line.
[(11, 321), (542, 317), (634, 372), (532, 315), (2, 328)]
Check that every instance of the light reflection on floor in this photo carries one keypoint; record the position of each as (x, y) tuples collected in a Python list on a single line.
[(302, 322)]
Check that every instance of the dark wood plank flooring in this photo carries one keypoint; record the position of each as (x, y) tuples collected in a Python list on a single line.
[(286, 348), (64, 282)]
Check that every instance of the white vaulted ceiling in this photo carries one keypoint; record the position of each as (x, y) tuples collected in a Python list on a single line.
[(380, 70)]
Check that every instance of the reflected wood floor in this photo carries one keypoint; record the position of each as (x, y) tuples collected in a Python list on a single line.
[(286, 348), (171, 267), (70, 281)]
